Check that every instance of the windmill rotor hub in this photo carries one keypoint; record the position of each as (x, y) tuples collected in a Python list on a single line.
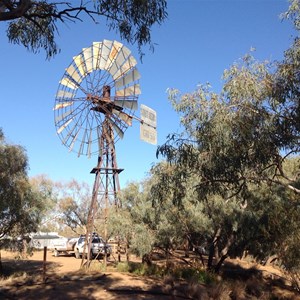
[(106, 91)]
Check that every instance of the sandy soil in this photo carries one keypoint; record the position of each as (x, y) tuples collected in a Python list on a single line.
[(64, 280)]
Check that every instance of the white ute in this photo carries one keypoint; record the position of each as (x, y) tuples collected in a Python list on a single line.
[(64, 245)]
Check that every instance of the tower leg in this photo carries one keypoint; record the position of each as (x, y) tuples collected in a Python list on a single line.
[(105, 194)]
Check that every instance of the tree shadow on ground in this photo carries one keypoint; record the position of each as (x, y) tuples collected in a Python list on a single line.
[(32, 267), (238, 272), (82, 286), (23, 279)]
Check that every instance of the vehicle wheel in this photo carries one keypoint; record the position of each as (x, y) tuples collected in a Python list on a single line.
[(56, 253), (77, 255)]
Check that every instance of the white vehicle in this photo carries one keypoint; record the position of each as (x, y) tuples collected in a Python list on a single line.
[(64, 245), (98, 247)]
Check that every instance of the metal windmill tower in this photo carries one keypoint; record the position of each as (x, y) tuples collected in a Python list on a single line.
[(95, 103)]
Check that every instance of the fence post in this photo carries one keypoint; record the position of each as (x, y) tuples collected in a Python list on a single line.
[(44, 264)]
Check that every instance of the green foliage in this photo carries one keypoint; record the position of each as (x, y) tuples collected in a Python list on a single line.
[(133, 19), (34, 24), (74, 199), (21, 206), (236, 158), (180, 272), (46, 189), (293, 13), (193, 275), (36, 29)]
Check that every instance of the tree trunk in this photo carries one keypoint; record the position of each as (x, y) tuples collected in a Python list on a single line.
[(1, 268), (186, 248), (219, 264), (25, 248), (126, 249), (119, 249), (224, 252), (212, 249), (146, 259)]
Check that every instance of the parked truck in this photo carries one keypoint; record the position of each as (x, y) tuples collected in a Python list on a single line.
[(64, 246)]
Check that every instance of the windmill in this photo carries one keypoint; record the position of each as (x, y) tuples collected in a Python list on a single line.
[(95, 103)]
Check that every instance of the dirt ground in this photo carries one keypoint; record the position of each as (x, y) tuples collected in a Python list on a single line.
[(64, 280), (61, 279)]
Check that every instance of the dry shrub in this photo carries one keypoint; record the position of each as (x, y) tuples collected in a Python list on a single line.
[(169, 283), (220, 291), (295, 280), (257, 288), (197, 291), (21, 278), (238, 290)]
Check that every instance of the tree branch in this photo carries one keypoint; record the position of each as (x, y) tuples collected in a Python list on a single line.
[(14, 12)]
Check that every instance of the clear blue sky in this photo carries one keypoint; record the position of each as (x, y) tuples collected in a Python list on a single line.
[(198, 41)]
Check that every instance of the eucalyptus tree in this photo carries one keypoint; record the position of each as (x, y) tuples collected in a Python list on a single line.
[(236, 141), (47, 189), (208, 224), (151, 218), (34, 24), (21, 205), (136, 219), (72, 205), (243, 134)]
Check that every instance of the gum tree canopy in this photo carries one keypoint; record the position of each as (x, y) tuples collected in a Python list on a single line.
[(34, 23), (21, 206), (242, 136)]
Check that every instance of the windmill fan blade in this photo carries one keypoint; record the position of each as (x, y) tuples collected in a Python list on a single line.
[(128, 78), (115, 49), (117, 129), (106, 46), (62, 105), (119, 60), (89, 144), (88, 63), (71, 70), (125, 117), (63, 116), (73, 141), (64, 94), (79, 63), (129, 91), (126, 67), (64, 141), (61, 128), (82, 143), (130, 104), (96, 50), (68, 83)]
